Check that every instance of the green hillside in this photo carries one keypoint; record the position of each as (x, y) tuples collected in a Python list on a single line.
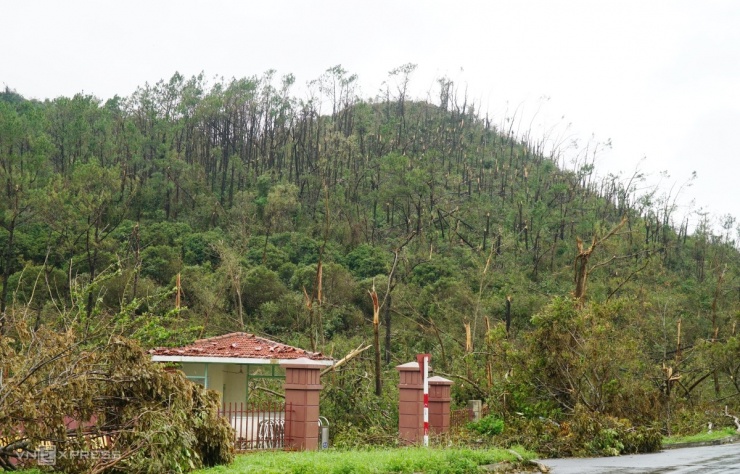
[(548, 291)]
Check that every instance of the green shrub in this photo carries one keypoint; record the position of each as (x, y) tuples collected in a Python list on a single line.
[(367, 261), (642, 440), (606, 442), (489, 425)]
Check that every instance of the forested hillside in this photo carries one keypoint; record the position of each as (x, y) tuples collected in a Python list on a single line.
[(536, 284)]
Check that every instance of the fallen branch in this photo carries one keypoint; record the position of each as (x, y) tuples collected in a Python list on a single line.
[(531, 462), (352, 354), (464, 379), (10, 451), (265, 389), (734, 418), (15, 445)]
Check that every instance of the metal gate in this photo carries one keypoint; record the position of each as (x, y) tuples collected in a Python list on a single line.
[(259, 426)]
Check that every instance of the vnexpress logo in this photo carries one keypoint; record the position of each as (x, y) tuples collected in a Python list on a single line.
[(46, 455)]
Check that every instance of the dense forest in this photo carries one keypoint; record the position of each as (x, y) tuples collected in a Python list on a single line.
[(195, 208)]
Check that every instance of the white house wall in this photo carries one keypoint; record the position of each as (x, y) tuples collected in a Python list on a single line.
[(236, 384), (221, 377), (216, 378)]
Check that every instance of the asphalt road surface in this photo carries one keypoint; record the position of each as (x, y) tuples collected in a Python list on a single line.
[(708, 459)]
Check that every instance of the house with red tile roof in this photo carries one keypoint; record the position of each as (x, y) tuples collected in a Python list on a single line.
[(227, 363)]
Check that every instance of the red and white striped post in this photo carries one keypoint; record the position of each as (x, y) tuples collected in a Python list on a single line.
[(423, 360), (426, 401)]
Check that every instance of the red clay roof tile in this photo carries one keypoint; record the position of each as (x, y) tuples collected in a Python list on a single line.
[(239, 344)]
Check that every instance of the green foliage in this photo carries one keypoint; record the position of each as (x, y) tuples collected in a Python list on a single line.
[(32, 285), (582, 434), (367, 261), (262, 252), (261, 285), (489, 425), (160, 262), (154, 330), (642, 439), (566, 357), (687, 420), (280, 316), (428, 273), (164, 233), (282, 207), (605, 443), (300, 249), (359, 417), (198, 248)]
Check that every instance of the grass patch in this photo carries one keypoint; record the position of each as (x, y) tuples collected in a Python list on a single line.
[(371, 461), (701, 437)]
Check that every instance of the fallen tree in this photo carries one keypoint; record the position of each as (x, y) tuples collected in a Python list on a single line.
[(106, 399)]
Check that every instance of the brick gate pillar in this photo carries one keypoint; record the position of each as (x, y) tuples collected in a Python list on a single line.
[(410, 403), (439, 405), (302, 389)]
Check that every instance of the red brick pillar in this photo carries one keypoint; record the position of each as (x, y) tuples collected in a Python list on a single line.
[(302, 390), (410, 403), (439, 405)]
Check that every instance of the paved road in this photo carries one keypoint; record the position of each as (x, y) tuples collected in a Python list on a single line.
[(709, 459)]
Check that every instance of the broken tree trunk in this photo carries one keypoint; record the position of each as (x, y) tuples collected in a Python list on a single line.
[(734, 418), (581, 262), (352, 354), (508, 314), (376, 340)]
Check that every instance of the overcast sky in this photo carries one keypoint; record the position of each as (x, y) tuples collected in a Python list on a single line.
[(660, 79)]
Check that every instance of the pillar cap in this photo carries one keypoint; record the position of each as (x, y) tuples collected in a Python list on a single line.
[(408, 366), (302, 363), (437, 380), (302, 387), (411, 366)]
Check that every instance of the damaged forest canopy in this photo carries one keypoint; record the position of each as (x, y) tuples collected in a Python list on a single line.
[(547, 291)]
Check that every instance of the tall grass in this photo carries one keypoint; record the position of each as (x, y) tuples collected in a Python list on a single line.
[(701, 437), (371, 461)]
